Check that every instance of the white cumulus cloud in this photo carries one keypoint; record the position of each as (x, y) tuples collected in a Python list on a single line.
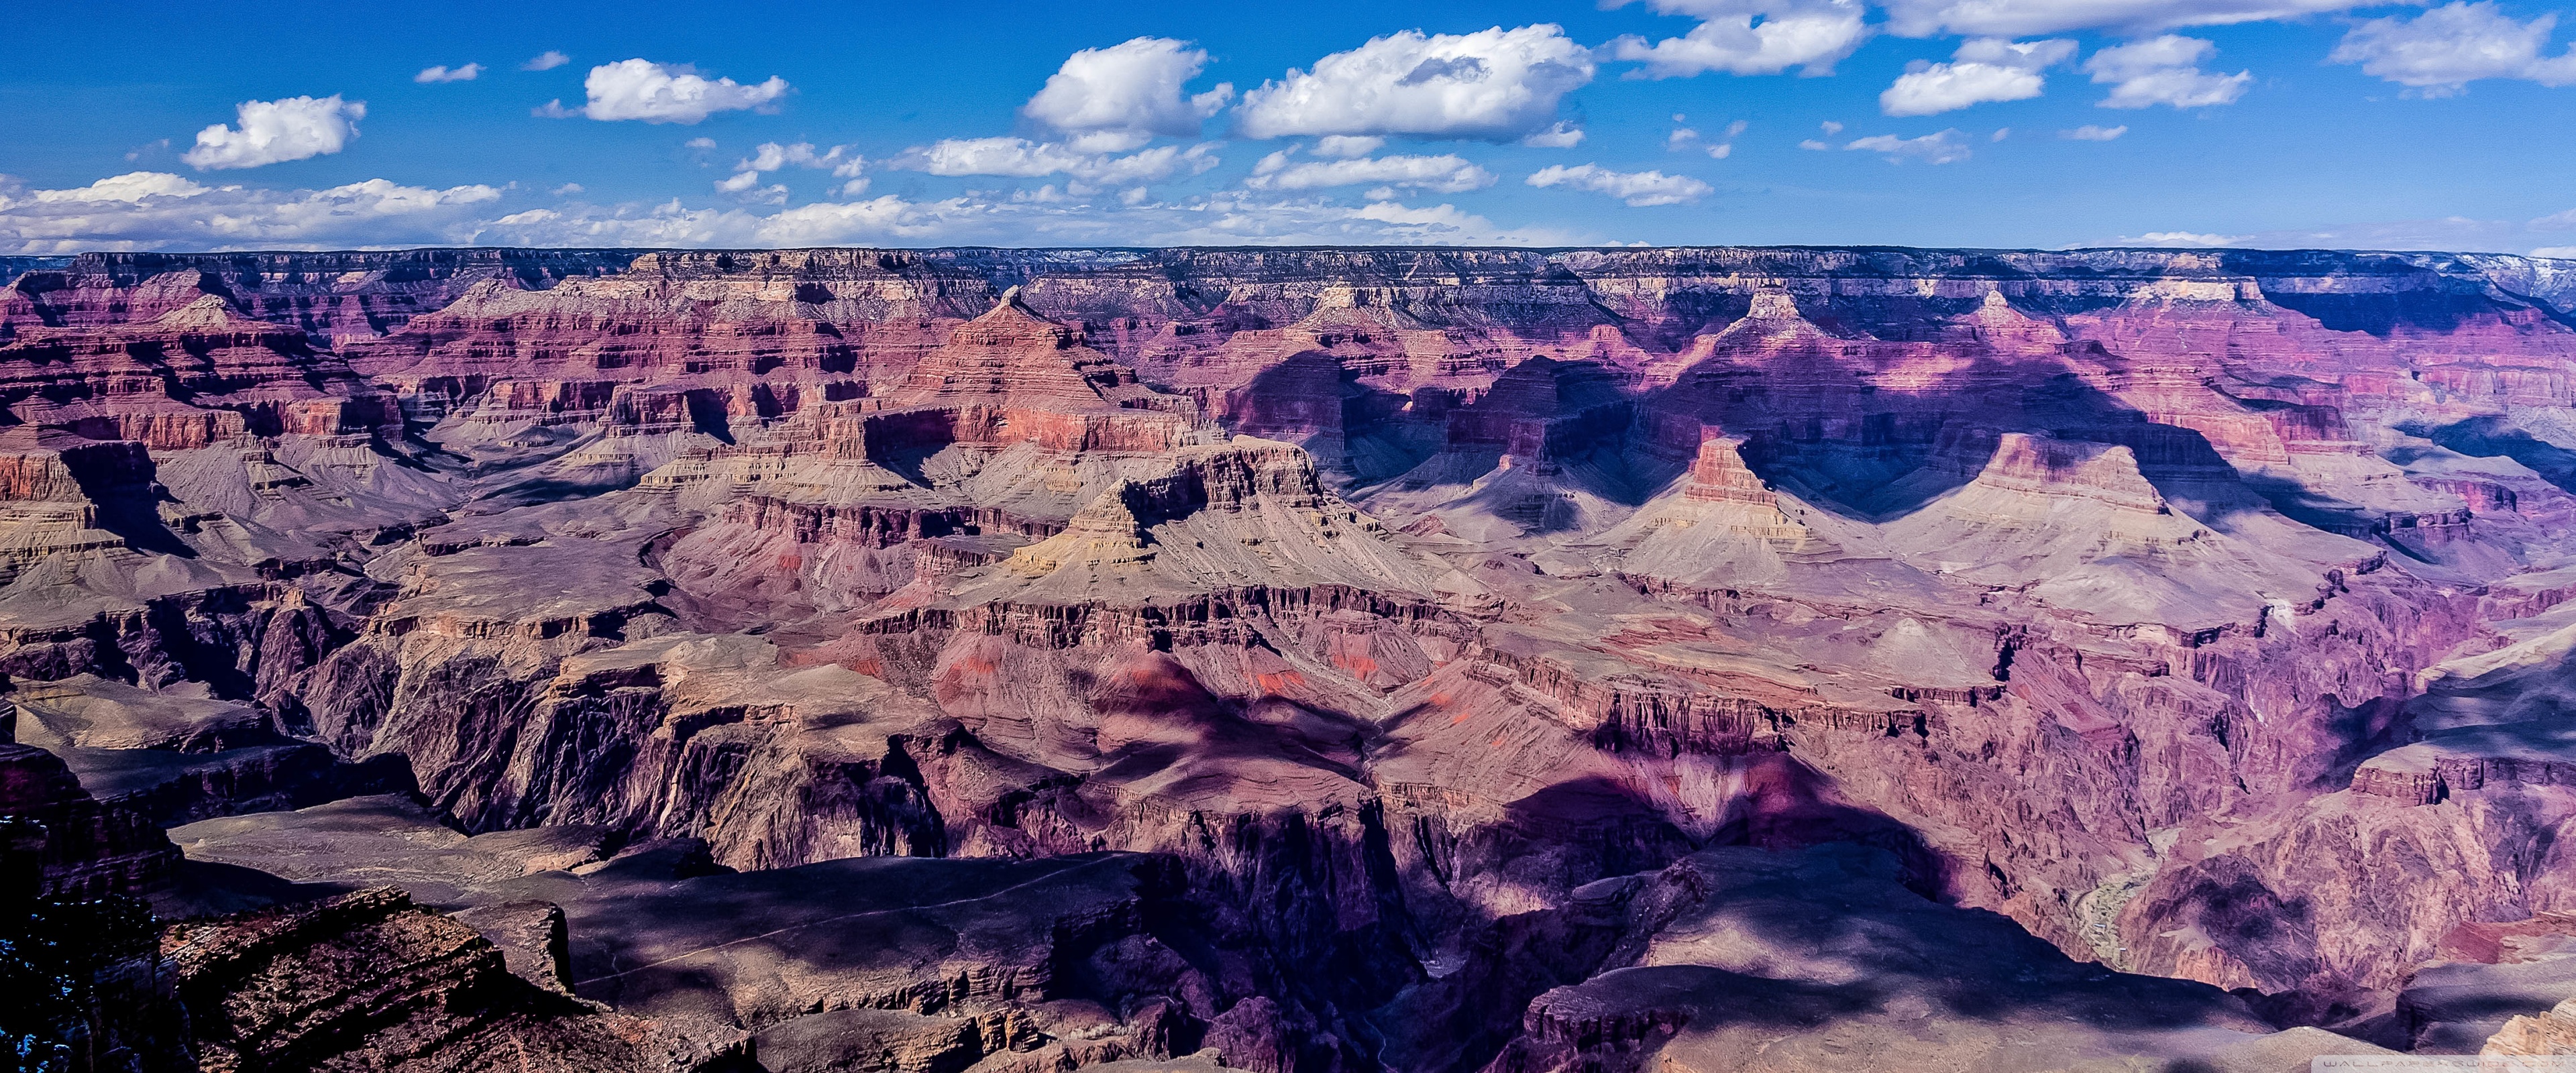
[(1557, 135), (1946, 147), (882, 220), (133, 188), (2164, 70), (1117, 98), (1346, 145), (2090, 133), (1021, 158), (1749, 37), (2020, 18), (158, 211), (1983, 69), (1445, 174), (746, 185), (1056, 216), (772, 156), (1639, 188), (546, 61), (2443, 233), (155, 210), (444, 73), (2188, 238), (664, 93), (1493, 84), (268, 132), (2441, 51)]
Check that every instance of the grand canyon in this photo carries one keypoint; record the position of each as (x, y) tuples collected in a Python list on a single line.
[(1299, 660)]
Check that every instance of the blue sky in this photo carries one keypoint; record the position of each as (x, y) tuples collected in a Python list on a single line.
[(2249, 122)]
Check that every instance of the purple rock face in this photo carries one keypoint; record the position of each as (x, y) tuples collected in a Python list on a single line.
[(1300, 660)]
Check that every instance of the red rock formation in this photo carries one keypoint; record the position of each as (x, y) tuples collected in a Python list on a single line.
[(1718, 475)]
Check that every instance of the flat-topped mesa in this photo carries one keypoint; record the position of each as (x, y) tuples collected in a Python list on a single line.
[(1718, 474), (2047, 466)]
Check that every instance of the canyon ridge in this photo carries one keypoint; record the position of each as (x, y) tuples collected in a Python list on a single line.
[(1304, 660)]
